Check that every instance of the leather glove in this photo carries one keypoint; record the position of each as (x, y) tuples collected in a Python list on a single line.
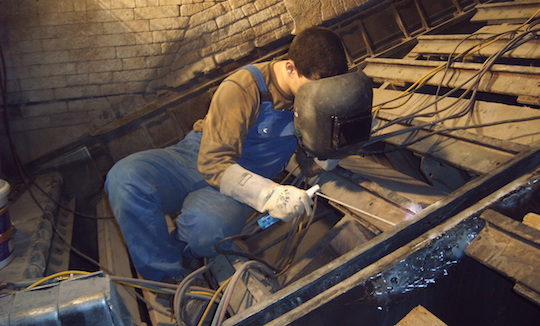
[(283, 202), (288, 202)]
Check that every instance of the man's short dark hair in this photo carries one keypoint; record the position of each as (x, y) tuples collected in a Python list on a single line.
[(318, 52)]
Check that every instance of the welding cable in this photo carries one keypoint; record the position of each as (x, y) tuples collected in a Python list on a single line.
[(484, 69), (142, 287), (247, 255), (296, 232), (181, 289), (285, 254), (147, 284), (509, 46), (192, 293), (431, 73), (290, 252), (212, 301), (452, 59), (415, 113), (409, 93), (134, 294), (514, 43), (143, 281), (55, 275), (481, 45), (442, 131), (227, 294), (282, 237)]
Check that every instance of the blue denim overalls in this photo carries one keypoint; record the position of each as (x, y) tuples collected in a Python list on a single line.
[(144, 186)]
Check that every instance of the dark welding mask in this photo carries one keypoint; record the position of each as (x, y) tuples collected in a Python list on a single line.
[(333, 115)]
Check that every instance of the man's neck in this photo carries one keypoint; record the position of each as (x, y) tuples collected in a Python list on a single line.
[(282, 77)]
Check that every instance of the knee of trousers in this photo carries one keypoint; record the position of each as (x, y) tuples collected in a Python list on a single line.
[(201, 230), (125, 183)]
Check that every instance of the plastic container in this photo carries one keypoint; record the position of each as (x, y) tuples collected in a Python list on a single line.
[(6, 228)]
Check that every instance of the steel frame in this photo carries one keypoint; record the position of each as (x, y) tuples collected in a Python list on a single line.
[(312, 291)]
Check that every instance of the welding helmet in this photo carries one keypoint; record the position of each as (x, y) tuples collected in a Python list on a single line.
[(333, 114)]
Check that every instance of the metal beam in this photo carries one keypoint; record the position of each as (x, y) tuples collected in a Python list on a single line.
[(502, 79), (507, 252), (506, 12), (471, 197), (455, 44), (496, 29), (399, 271), (511, 140), (464, 155)]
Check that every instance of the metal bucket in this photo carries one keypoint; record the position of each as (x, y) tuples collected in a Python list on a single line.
[(6, 228)]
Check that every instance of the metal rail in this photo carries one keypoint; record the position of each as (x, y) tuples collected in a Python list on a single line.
[(506, 12), (501, 79), (452, 44)]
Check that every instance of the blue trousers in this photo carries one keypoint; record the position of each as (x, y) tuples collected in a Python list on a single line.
[(145, 186)]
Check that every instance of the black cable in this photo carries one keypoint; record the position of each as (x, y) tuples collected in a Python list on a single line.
[(220, 250), (435, 132), (451, 57), (489, 62)]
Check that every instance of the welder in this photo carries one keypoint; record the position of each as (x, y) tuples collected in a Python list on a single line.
[(223, 169)]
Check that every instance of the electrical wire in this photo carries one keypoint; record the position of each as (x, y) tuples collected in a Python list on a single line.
[(142, 287), (55, 275), (179, 293), (471, 50), (211, 302), (451, 59), (204, 295), (472, 89), (296, 232), (489, 62), (227, 294)]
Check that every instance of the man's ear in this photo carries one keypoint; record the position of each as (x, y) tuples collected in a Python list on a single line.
[(290, 68)]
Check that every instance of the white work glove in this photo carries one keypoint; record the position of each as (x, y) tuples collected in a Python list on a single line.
[(287, 202), (283, 202)]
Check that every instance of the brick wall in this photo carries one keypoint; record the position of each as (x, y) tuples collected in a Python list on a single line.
[(75, 65)]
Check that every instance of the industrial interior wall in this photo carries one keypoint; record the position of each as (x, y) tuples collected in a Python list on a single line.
[(75, 65)]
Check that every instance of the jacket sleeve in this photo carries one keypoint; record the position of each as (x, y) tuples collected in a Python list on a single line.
[(233, 109)]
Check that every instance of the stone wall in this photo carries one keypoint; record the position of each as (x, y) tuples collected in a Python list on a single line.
[(75, 65)]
